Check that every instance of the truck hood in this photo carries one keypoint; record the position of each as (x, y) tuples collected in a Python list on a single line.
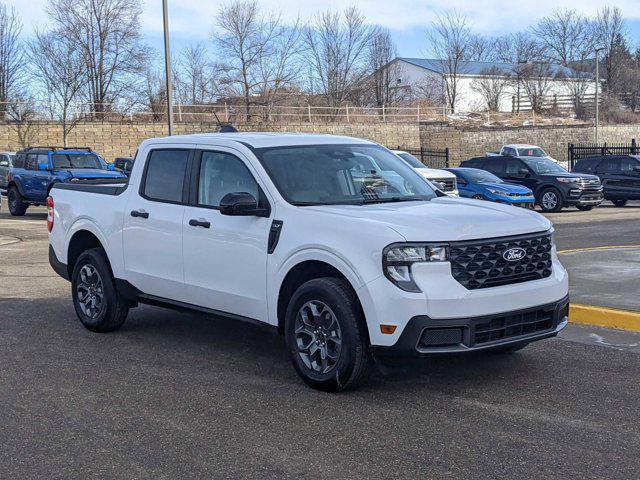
[(442, 219), (434, 173), (584, 176), (92, 173)]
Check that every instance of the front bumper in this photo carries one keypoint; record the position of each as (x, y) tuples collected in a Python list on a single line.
[(424, 336), (581, 197)]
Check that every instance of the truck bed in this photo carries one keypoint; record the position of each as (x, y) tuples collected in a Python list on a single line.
[(101, 187)]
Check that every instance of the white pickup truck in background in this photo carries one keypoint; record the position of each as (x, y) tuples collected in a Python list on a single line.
[(524, 150), (347, 266), (442, 179)]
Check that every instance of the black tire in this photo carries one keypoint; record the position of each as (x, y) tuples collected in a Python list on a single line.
[(550, 207), (477, 196), (619, 202), (17, 207), (584, 208), (508, 349), (113, 309), (354, 359)]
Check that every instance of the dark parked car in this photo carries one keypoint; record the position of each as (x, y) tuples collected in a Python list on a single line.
[(553, 186), (6, 159), (619, 174)]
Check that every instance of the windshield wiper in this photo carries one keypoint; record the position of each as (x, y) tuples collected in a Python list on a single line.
[(393, 199)]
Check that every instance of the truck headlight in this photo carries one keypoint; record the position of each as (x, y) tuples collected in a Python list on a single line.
[(398, 258), (495, 191), (568, 179)]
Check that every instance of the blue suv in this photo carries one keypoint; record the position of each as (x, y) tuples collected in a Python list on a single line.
[(36, 169), (483, 185)]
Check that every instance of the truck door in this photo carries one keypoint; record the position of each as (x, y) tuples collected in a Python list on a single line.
[(612, 182), (152, 232), (631, 181), (225, 257)]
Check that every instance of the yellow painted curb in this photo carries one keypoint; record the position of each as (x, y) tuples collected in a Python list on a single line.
[(604, 317), (592, 249)]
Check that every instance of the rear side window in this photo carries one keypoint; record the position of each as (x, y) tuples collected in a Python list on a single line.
[(608, 165), (494, 165), (164, 176), (18, 161), (628, 164), (473, 163)]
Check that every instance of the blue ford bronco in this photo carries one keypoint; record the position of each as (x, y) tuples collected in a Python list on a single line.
[(36, 169)]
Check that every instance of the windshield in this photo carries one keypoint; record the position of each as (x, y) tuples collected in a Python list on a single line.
[(76, 160), (342, 174), (481, 176), (411, 160), (544, 165), (531, 152)]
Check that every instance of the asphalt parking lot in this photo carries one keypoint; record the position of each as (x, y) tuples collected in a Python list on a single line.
[(175, 395)]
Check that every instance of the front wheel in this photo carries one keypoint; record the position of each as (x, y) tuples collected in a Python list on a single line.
[(17, 207), (477, 196), (97, 303), (326, 335), (619, 203), (584, 208), (550, 200)]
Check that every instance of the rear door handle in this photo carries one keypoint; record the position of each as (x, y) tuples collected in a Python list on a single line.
[(139, 214), (199, 223)]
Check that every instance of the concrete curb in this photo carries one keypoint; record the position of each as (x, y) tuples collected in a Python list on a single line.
[(604, 317)]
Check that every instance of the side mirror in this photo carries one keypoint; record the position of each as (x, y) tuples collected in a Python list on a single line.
[(241, 204), (4, 163), (111, 167), (43, 167), (523, 171)]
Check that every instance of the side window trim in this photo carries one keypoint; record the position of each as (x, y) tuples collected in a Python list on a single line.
[(193, 199), (186, 182)]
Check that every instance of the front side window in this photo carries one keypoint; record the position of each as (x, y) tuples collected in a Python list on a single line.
[(32, 162), (222, 173), (342, 174), (608, 165), (513, 166), (628, 164), (164, 177), (76, 160)]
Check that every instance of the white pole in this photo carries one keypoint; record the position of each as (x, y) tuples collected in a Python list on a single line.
[(597, 92), (167, 66)]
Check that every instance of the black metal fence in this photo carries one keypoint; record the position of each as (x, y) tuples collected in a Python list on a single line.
[(430, 158), (576, 151)]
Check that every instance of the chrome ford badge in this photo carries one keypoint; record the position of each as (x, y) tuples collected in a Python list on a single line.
[(514, 254)]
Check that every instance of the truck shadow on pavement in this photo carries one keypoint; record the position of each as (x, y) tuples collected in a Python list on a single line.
[(222, 349)]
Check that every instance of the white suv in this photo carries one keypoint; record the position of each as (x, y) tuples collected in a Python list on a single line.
[(344, 263)]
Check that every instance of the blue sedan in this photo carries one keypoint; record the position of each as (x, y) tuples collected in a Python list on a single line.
[(482, 185)]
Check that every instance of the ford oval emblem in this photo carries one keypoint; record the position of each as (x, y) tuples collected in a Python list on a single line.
[(514, 254)]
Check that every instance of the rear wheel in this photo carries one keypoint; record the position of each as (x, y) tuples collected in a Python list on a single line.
[(17, 206), (550, 200), (619, 203), (326, 335), (97, 303), (584, 208)]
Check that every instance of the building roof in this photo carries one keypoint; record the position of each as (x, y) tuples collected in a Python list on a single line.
[(481, 68)]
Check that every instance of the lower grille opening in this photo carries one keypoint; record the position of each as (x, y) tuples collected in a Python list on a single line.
[(439, 337), (508, 326)]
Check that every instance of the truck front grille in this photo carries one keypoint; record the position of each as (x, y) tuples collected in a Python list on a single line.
[(512, 325), (487, 263), (449, 184)]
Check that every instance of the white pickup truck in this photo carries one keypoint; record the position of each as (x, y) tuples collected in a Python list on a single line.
[(524, 150), (347, 267)]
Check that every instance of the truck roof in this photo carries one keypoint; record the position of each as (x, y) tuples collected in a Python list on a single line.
[(520, 145), (260, 139)]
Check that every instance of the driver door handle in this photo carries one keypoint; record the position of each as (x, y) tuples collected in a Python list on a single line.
[(199, 223), (139, 214)]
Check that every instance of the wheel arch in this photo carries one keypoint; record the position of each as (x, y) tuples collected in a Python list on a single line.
[(14, 183), (82, 240), (302, 272)]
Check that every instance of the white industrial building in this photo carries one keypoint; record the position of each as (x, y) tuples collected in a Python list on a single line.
[(420, 76)]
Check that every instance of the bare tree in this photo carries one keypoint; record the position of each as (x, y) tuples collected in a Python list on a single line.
[(337, 51), (482, 49), (536, 81), (23, 115), (491, 86), (450, 38), (381, 51), (567, 39), (107, 34), (257, 51), (12, 57), (155, 93), (610, 30), (56, 61), (196, 79)]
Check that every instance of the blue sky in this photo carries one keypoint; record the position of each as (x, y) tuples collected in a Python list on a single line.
[(192, 20)]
